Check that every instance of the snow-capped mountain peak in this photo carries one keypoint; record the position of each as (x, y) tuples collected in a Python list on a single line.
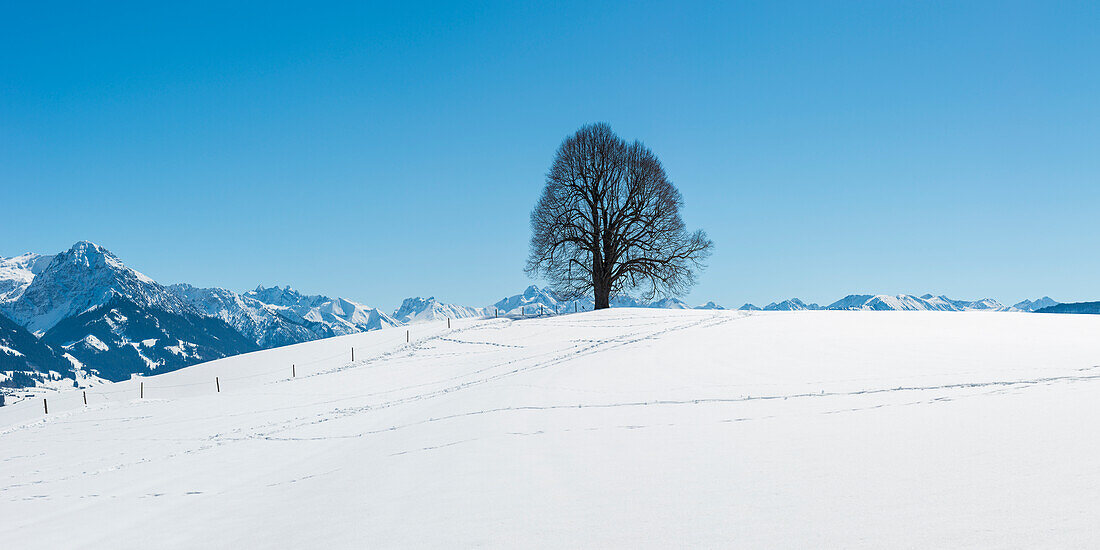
[(84, 277), (670, 303), (709, 305), (254, 319), (531, 297), (419, 309), (1029, 305), (340, 315), (908, 302), (793, 304)]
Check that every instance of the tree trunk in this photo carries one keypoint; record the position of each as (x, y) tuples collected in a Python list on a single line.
[(603, 296), (601, 287)]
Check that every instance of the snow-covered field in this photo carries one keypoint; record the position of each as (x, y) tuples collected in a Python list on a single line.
[(620, 428)]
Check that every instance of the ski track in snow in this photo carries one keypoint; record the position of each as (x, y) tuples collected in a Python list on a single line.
[(581, 347), (411, 350), (556, 357)]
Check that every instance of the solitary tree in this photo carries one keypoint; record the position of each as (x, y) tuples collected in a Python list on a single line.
[(609, 221)]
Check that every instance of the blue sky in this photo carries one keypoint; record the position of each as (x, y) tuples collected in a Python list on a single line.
[(381, 151)]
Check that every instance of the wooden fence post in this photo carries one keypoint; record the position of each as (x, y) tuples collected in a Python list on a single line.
[(217, 384), (352, 355), (85, 397), (142, 391), (448, 322), (45, 407), (293, 371), (406, 336)]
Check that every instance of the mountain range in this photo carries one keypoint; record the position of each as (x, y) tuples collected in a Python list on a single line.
[(415, 310), (904, 302), (83, 317)]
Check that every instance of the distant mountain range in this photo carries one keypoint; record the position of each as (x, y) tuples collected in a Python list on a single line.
[(415, 310), (83, 317), (535, 301), (1028, 305), (903, 302)]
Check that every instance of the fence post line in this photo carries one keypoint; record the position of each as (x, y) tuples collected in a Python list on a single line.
[(45, 407), (448, 322), (217, 384), (353, 355), (85, 396), (293, 371), (406, 336), (142, 391)]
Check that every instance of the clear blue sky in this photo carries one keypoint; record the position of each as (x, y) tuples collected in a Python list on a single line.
[(377, 152)]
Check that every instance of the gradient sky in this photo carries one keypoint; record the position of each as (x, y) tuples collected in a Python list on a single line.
[(378, 152)]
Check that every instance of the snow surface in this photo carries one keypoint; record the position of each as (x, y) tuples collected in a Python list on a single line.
[(95, 343), (10, 351), (620, 428)]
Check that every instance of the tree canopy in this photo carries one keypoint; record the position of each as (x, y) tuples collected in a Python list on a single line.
[(608, 221)]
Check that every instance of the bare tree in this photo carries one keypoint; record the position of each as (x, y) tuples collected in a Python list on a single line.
[(609, 222)]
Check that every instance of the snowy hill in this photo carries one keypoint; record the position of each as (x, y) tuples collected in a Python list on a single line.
[(624, 428), (415, 310)]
